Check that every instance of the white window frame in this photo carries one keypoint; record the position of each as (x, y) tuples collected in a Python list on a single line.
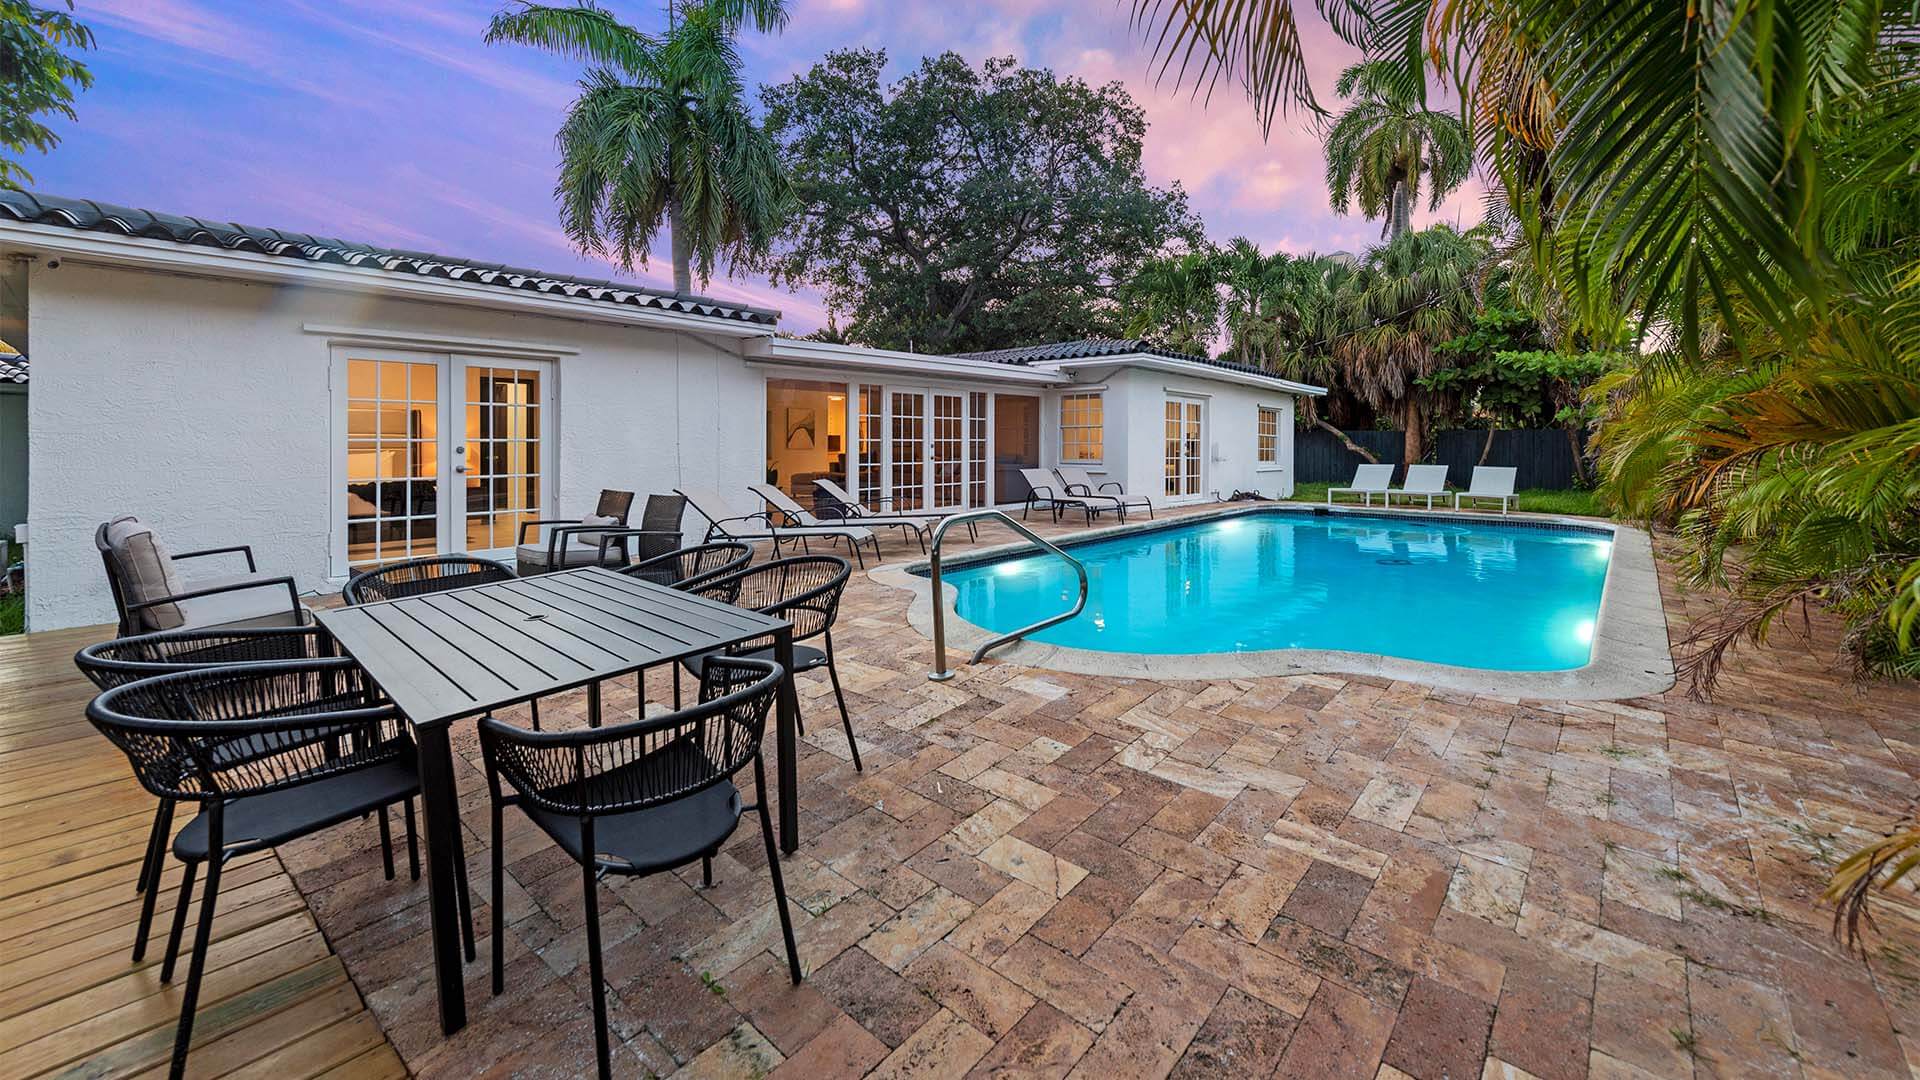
[(1266, 455), (1099, 399)]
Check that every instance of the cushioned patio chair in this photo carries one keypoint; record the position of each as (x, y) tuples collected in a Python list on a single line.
[(804, 590), (149, 594), (1075, 481), (573, 542), (1493, 482), (1428, 481), (639, 798), (1368, 481), (325, 748), (762, 526)]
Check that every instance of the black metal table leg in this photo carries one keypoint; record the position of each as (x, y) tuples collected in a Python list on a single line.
[(786, 753), (440, 806)]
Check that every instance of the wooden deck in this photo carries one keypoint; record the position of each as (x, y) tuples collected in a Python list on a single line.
[(73, 824)]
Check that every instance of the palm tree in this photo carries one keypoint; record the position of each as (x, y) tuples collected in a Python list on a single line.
[(1387, 140), (1407, 297), (1175, 301), (661, 132)]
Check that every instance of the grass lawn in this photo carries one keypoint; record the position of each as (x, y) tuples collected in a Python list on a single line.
[(13, 606), (1533, 500)]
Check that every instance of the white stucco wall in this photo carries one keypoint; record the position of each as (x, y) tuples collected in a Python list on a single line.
[(1135, 409), (202, 407)]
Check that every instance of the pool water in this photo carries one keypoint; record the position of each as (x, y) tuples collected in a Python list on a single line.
[(1507, 597)]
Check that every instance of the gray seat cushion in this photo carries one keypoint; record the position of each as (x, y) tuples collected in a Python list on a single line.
[(264, 606)]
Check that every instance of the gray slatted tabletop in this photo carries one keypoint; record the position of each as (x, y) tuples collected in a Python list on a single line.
[(462, 653), (447, 655)]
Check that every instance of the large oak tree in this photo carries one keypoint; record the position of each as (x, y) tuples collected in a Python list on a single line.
[(965, 208)]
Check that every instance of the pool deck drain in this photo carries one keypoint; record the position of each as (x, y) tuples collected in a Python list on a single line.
[(1631, 655)]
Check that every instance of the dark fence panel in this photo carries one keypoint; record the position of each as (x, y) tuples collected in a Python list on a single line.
[(1319, 458), (1543, 455)]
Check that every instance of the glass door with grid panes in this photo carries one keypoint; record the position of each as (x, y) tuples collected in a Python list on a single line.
[(435, 454), (935, 451), (1185, 436), (502, 461)]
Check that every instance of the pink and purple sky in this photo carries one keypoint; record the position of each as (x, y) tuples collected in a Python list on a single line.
[(393, 124)]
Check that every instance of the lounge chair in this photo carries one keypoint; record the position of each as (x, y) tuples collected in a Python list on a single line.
[(1075, 481), (1491, 482), (761, 526), (1047, 492), (846, 508), (1368, 481), (149, 594), (797, 515), (854, 508), (1422, 480)]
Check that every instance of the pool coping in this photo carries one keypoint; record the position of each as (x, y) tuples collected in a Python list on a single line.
[(1632, 656)]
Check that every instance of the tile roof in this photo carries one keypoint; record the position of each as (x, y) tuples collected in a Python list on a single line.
[(13, 368), (88, 216), (1093, 348)]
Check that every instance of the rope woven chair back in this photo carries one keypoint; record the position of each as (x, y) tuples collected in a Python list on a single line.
[(227, 732), (645, 763), (122, 660), (418, 576), (614, 504), (804, 590), (690, 564)]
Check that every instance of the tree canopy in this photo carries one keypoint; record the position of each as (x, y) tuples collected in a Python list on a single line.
[(38, 75), (660, 132), (962, 208)]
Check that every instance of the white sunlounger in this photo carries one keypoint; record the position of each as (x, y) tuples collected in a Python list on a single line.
[(761, 526), (1046, 491), (1422, 480), (1368, 481), (1491, 482), (858, 512), (1075, 481), (802, 517)]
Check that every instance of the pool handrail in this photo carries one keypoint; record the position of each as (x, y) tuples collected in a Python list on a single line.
[(940, 672)]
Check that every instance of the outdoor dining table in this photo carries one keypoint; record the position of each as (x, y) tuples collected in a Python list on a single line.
[(455, 655)]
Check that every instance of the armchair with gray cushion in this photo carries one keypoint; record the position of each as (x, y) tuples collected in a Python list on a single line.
[(149, 594), (659, 533), (573, 542)]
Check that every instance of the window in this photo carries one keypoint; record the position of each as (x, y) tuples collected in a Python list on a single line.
[(1081, 427), (977, 449), (1269, 436)]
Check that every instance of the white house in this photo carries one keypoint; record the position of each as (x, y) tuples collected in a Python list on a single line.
[(338, 405)]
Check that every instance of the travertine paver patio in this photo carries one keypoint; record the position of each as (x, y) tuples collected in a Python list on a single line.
[(1044, 874)]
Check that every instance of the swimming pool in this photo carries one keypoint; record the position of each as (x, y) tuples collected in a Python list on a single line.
[(1498, 596)]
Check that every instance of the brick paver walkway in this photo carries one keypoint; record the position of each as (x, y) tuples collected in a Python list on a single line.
[(1043, 874)]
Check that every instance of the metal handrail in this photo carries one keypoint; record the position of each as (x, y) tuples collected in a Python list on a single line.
[(940, 673)]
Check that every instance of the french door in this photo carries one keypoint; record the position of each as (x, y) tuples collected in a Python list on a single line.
[(922, 448), (1185, 436), (435, 453)]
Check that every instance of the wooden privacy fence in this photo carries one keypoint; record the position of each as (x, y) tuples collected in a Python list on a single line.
[(1543, 455)]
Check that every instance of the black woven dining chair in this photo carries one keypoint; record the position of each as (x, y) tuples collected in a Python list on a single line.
[(689, 564), (639, 798), (324, 747), (415, 577), (804, 590), (108, 664)]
